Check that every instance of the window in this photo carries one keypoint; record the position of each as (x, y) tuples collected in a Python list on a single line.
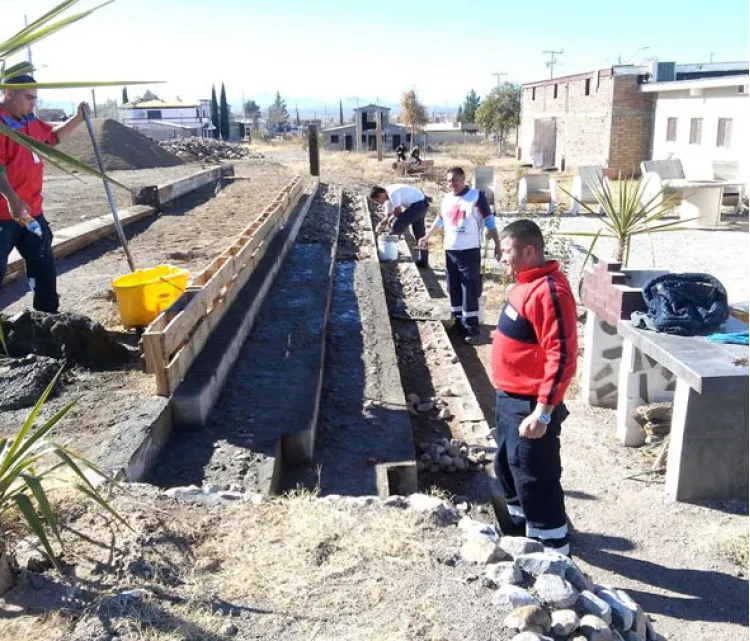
[(696, 131), (555, 93), (724, 134), (334, 139), (364, 138), (671, 129), (533, 93), (153, 114), (587, 87)]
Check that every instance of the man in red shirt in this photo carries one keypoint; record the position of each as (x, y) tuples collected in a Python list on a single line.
[(534, 354), (21, 176)]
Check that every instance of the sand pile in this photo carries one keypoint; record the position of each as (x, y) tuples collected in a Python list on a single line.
[(121, 147)]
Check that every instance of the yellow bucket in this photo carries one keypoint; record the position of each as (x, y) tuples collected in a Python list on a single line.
[(143, 294)]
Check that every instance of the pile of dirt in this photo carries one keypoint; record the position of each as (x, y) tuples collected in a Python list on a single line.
[(121, 147), (24, 380), (75, 338)]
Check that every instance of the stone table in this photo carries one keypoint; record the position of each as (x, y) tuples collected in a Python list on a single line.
[(708, 448)]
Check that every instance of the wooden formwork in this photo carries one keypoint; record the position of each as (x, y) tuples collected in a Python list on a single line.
[(174, 339)]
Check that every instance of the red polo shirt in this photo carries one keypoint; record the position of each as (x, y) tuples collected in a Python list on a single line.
[(23, 167)]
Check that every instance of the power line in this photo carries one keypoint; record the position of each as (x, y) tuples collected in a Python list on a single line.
[(552, 60)]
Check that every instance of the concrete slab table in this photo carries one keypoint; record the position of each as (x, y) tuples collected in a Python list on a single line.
[(708, 448), (701, 201)]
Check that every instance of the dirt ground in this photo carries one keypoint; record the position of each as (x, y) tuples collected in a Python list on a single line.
[(292, 569), (188, 235)]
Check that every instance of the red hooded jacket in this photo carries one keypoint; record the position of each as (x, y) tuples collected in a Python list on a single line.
[(535, 347)]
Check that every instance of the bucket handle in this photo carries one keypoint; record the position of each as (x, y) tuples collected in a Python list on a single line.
[(177, 287)]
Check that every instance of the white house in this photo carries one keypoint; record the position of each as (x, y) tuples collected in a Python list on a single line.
[(157, 118), (437, 133), (704, 122)]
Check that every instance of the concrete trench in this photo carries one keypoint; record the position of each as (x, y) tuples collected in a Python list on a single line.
[(315, 397)]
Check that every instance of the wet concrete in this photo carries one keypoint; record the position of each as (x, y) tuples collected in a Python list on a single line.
[(271, 395)]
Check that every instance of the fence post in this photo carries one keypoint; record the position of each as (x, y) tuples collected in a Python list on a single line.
[(314, 152)]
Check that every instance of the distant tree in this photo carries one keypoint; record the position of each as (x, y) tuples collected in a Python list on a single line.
[(341, 112), (277, 113), (224, 116), (214, 112), (124, 95), (470, 106), (299, 123), (146, 96), (460, 114), (413, 112), (253, 112), (107, 109), (500, 111)]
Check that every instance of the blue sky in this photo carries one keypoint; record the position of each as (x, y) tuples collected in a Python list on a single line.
[(316, 53)]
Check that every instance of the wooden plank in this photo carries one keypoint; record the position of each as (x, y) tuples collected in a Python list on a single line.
[(180, 328), (153, 352)]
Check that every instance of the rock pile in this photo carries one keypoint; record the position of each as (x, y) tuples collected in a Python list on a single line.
[(209, 150), (549, 593)]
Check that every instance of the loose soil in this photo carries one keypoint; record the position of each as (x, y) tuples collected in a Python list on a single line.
[(189, 235), (120, 147)]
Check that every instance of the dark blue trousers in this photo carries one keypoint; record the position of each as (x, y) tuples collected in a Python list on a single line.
[(464, 280), (40, 261), (413, 215), (529, 471)]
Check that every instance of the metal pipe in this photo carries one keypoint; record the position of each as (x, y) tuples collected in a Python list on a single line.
[(110, 195)]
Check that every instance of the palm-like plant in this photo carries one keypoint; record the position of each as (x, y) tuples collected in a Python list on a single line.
[(629, 213), (24, 488), (50, 23)]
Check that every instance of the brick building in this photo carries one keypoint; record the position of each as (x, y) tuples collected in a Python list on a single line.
[(595, 118), (601, 117)]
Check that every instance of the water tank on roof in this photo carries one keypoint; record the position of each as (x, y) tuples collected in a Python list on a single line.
[(663, 71)]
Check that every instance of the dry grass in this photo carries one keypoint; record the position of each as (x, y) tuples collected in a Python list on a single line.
[(736, 550), (295, 567)]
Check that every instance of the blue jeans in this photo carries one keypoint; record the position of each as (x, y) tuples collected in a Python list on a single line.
[(413, 215), (529, 470), (40, 261)]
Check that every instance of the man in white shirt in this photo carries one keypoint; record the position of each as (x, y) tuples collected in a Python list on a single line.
[(404, 206), (464, 214)]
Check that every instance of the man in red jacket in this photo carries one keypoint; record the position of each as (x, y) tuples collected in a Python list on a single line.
[(22, 223), (534, 354)]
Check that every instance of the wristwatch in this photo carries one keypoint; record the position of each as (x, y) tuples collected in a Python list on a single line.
[(545, 418)]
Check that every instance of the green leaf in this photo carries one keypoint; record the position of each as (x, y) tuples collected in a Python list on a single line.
[(20, 437), (589, 253), (55, 156), (77, 84), (27, 509), (45, 429), (41, 498), (39, 22), (95, 496), (17, 70)]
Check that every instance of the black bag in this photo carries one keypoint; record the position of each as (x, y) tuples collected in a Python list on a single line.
[(683, 304)]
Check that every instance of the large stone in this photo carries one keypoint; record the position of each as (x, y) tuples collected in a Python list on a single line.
[(639, 623), (529, 618), (518, 545), (471, 527), (504, 573), (538, 563), (564, 622), (592, 604), (622, 616), (513, 596), (481, 549), (433, 506), (578, 579), (595, 629), (555, 592)]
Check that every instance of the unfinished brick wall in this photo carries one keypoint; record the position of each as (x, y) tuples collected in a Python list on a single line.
[(583, 121), (632, 123)]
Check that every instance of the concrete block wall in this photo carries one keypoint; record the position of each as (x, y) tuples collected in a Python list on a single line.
[(632, 126)]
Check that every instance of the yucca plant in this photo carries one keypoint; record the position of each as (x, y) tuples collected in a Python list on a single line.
[(50, 23), (628, 213), (24, 487)]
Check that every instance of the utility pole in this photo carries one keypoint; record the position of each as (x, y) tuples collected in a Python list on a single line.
[(28, 50), (552, 61), (498, 74), (93, 102), (710, 56)]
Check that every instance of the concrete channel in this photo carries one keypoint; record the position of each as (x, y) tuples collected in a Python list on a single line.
[(320, 345)]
